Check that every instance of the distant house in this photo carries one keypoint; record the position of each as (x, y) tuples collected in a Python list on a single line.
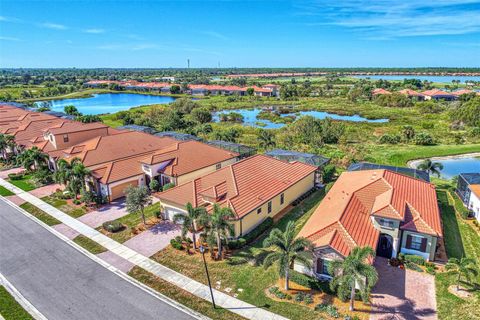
[(380, 91), (412, 94), (382, 209), (468, 189), (254, 188), (275, 88), (437, 94)]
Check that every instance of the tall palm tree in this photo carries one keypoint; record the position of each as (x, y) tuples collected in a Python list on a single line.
[(288, 249), (218, 227), (32, 157), (354, 270), (462, 267), (6, 142), (63, 173), (190, 221), (266, 139), (431, 167), (80, 172)]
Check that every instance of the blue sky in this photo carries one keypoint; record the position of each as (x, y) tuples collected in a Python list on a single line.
[(310, 33)]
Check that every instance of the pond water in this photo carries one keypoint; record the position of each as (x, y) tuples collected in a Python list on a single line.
[(454, 166), (107, 102), (250, 117), (444, 79)]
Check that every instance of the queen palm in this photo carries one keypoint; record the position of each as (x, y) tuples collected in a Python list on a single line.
[(190, 221), (6, 142), (266, 139), (32, 157), (462, 267), (217, 225), (80, 172), (431, 167), (288, 249), (353, 270)]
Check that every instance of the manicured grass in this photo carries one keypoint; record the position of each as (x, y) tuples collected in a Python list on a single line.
[(39, 214), (197, 304), (460, 240), (89, 244), (62, 205), (132, 220), (5, 192), (25, 183), (10, 309)]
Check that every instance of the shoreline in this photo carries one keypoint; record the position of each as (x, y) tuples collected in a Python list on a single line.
[(414, 163)]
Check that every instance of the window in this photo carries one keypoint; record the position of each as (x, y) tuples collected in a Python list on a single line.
[(269, 206), (218, 166), (322, 266), (65, 138), (386, 223), (282, 198), (416, 243), (259, 210)]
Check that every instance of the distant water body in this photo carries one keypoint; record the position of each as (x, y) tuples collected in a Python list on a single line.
[(443, 79), (453, 166), (107, 102)]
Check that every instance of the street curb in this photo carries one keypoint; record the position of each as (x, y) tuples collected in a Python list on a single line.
[(21, 299), (108, 266)]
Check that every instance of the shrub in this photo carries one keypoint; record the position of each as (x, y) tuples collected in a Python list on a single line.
[(300, 296), (412, 266), (308, 299), (390, 139), (475, 132), (430, 270), (273, 290), (168, 186), (236, 244), (154, 185), (42, 176), (329, 172), (113, 226), (330, 309), (309, 282), (415, 259), (16, 176), (424, 139), (175, 244), (394, 262), (261, 228), (77, 202)]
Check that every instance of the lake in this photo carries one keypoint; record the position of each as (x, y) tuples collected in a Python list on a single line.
[(250, 117), (443, 79), (107, 102), (453, 166)]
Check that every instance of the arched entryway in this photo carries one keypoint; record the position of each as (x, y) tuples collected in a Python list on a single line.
[(385, 246)]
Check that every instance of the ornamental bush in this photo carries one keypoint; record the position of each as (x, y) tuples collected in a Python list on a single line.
[(113, 226), (390, 139), (424, 139), (415, 259)]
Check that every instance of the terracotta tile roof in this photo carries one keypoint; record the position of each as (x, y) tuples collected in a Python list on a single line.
[(242, 186), (118, 146), (378, 91), (357, 195), (475, 189), (410, 93), (436, 92), (186, 156), (118, 170), (73, 126)]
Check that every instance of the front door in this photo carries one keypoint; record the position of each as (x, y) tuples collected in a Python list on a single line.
[(385, 246)]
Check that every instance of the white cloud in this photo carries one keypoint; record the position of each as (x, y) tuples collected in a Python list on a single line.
[(55, 26), (9, 38), (94, 30)]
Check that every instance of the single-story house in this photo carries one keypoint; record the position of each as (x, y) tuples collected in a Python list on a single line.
[(468, 189), (437, 94), (412, 94), (254, 188), (385, 210), (380, 91)]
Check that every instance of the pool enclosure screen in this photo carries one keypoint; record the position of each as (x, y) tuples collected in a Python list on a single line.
[(290, 156), (178, 135), (419, 174), (243, 150)]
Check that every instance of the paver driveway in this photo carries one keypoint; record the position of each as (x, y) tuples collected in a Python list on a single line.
[(402, 294), (111, 211)]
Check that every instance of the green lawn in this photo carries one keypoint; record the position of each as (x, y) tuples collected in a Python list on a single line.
[(39, 214), (62, 205), (244, 269), (132, 220), (460, 240), (89, 244), (25, 183), (5, 192), (10, 309)]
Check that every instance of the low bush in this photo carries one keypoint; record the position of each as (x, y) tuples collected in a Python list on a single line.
[(329, 172), (299, 297), (113, 226), (154, 185), (77, 202), (415, 259), (236, 244), (16, 176), (329, 309), (175, 244), (413, 266), (168, 186), (390, 139), (309, 282), (308, 299), (430, 270), (261, 228), (273, 290), (424, 139)]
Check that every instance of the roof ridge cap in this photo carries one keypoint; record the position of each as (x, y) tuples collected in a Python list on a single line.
[(234, 181), (344, 230)]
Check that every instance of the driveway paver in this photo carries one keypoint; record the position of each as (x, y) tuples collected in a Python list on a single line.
[(4, 173), (112, 211), (402, 294), (154, 239), (46, 190)]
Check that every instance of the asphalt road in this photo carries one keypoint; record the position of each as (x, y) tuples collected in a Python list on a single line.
[(62, 283)]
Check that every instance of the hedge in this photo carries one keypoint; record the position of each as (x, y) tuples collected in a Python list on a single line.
[(16, 176), (309, 282), (415, 259)]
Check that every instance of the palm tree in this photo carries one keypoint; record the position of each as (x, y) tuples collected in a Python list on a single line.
[(189, 221), (431, 167), (63, 173), (32, 157), (354, 270), (266, 139), (6, 142), (72, 174), (80, 172), (217, 226), (408, 132), (288, 249), (462, 267)]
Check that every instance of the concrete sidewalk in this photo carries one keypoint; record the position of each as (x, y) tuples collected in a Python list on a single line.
[(196, 288)]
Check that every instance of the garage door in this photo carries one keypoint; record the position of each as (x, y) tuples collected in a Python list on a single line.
[(119, 191), (170, 212)]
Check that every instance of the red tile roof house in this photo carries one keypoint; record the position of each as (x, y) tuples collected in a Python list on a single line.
[(387, 211), (380, 91), (135, 158), (254, 188), (412, 94), (437, 94)]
